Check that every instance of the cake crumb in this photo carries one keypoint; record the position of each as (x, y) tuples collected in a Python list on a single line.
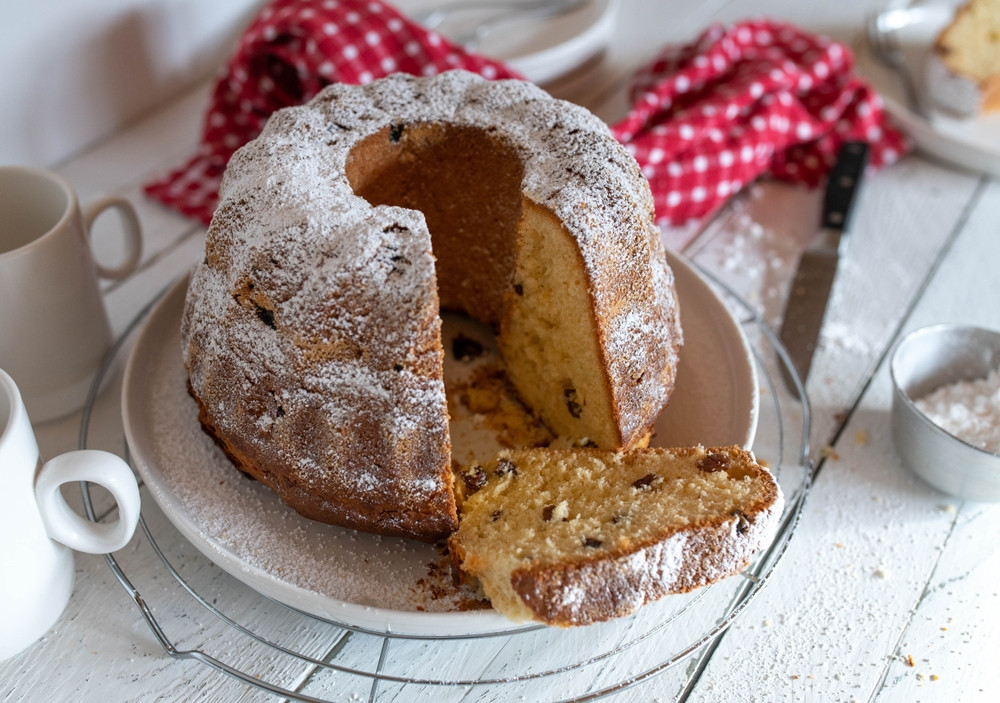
[(861, 438), (490, 395), (828, 452), (909, 660)]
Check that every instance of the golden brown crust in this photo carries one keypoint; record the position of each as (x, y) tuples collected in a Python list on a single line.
[(439, 517), (991, 94), (311, 331), (615, 588), (575, 586)]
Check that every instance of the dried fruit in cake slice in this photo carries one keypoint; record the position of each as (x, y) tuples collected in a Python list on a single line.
[(578, 536)]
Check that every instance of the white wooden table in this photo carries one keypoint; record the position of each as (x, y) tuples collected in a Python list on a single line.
[(887, 590)]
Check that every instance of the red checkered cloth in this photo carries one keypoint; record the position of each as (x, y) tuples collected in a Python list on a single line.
[(741, 101), (759, 97), (291, 50)]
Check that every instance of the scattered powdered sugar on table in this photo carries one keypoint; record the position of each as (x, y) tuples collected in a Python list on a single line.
[(757, 261), (970, 410)]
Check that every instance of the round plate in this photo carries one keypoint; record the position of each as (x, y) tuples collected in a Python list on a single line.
[(373, 583), (540, 49), (972, 143)]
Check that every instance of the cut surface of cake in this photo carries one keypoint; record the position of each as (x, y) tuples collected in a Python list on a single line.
[(311, 332), (577, 536)]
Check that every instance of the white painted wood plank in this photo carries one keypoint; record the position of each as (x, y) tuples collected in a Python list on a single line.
[(121, 166), (861, 556), (554, 664), (150, 144), (101, 642), (871, 539), (945, 652), (128, 299), (955, 621)]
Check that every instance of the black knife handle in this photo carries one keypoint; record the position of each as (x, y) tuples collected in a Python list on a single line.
[(842, 182)]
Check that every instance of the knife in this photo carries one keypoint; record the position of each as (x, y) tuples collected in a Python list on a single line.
[(810, 291)]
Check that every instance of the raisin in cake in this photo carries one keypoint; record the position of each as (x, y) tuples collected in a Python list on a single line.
[(578, 536)]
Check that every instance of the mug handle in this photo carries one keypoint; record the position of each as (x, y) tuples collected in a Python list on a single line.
[(66, 526), (133, 233)]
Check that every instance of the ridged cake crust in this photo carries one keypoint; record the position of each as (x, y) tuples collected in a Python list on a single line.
[(311, 331)]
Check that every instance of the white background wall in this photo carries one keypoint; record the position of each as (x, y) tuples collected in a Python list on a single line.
[(74, 71)]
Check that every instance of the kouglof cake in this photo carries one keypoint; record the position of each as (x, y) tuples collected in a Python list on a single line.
[(311, 332)]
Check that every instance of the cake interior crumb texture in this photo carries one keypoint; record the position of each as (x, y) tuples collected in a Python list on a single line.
[(520, 271), (570, 537)]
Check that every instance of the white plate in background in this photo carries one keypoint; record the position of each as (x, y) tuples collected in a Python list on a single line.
[(540, 49)]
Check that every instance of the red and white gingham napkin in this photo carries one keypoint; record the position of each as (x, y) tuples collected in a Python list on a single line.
[(708, 118), (741, 101), (291, 50)]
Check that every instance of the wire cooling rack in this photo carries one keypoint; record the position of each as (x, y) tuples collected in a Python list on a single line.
[(198, 612)]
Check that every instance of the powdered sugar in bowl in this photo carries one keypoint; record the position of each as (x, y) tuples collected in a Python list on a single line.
[(946, 410)]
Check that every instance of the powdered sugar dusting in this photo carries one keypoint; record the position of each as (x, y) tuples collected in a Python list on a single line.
[(241, 519), (197, 485), (308, 333), (970, 410)]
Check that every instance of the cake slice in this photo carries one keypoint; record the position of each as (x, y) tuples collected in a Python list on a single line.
[(963, 70), (577, 536)]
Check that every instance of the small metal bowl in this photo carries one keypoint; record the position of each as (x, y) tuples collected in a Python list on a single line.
[(923, 361)]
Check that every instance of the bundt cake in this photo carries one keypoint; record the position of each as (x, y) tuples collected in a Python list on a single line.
[(311, 329), (577, 536)]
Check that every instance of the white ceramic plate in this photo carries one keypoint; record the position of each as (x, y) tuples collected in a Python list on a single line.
[(540, 49), (973, 143), (365, 581)]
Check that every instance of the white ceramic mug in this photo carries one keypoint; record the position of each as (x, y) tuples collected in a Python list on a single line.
[(38, 530), (54, 329)]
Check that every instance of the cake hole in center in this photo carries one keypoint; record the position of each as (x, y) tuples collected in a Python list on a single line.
[(467, 183)]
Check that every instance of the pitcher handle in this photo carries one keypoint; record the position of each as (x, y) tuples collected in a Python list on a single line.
[(63, 524)]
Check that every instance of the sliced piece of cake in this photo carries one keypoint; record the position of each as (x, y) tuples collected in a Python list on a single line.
[(963, 70), (578, 536)]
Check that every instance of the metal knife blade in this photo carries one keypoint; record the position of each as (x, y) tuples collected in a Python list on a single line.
[(817, 269)]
